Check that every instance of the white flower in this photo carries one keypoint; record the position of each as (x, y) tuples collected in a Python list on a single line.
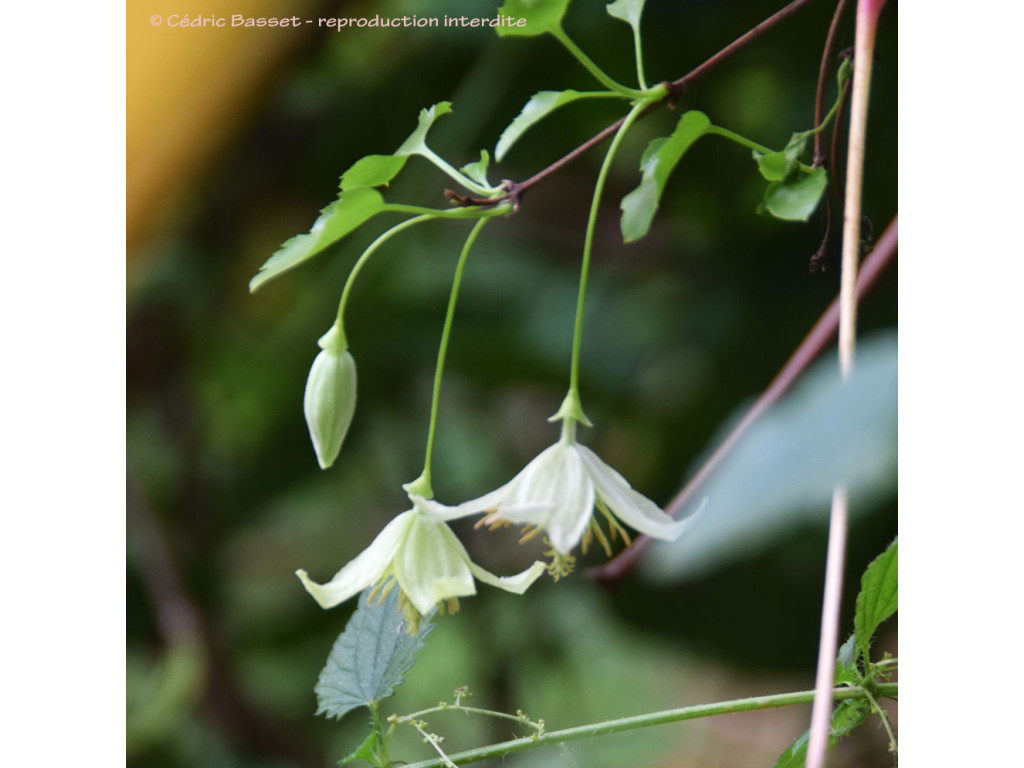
[(424, 557), (557, 493)]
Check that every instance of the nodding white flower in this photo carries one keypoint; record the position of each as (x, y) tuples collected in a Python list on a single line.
[(557, 493), (421, 553)]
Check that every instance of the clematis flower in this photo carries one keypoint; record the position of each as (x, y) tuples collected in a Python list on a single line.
[(558, 491), (421, 553)]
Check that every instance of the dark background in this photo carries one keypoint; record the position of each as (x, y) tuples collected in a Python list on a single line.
[(683, 327)]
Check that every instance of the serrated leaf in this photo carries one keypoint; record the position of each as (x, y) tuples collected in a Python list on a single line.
[(796, 200), (373, 171), (478, 171), (417, 141), (845, 717), (370, 658), (540, 105), (541, 16), (658, 162), (878, 598), (627, 10), (352, 208), (367, 750)]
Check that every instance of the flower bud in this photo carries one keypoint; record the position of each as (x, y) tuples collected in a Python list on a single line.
[(330, 399)]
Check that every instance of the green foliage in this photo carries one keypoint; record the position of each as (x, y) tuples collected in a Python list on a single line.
[(373, 171), (627, 10), (352, 208), (370, 658), (878, 598), (845, 717), (478, 171), (370, 751), (796, 200), (540, 105), (541, 16), (416, 144), (657, 164)]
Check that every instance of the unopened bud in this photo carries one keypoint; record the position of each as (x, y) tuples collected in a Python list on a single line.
[(330, 398)]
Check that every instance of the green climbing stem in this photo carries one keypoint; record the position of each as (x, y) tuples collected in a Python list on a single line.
[(655, 718)]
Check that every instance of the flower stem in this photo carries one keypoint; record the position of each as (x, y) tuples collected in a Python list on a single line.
[(422, 484), (339, 325), (591, 67), (654, 718), (588, 247)]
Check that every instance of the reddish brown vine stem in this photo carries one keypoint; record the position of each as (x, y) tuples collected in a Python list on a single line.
[(819, 337), (515, 190), (823, 70)]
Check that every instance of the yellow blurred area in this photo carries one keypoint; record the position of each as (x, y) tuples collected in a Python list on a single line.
[(189, 88)]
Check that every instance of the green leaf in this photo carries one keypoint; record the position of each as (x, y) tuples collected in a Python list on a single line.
[(367, 751), (417, 141), (541, 16), (373, 171), (845, 717), (878, 598), (478, 171), (627, 10), (783, 165), (352, 208), (795, 200), (370, 658), (657, 164), (846, 663), (540, 105)]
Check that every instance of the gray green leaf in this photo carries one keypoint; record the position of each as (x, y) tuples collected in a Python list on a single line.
[(796, 200), (352, 208), (657, 164), (417, 141), (541, 16), (846, 663), (370, 658), (368, 750), (878, 598), (627, 10), (373, 171), (540, 105)]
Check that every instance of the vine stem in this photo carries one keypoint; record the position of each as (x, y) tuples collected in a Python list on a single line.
[(864, 44), (422, 484), (654, 718)]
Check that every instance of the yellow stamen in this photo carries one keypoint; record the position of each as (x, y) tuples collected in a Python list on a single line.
[(601, 537), (529, 534)]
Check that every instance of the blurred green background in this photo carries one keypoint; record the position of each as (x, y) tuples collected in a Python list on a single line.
[(682, 329)]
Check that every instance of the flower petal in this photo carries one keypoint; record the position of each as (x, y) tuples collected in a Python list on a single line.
[(366, 569), (516, 584), (557, 475), (631, 507), (432, 564)]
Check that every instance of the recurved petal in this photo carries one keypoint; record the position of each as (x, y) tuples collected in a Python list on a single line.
[(366, 569), (569, 486), (631, 507), (517, 584), (432, 565)]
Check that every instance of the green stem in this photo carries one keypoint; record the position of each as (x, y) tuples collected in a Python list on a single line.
[(884, 717), (592, 67), (339, 324), (458, 176), (638, 47), (422, 485), (654, 718), (572, 399), (470, 711), (469, 212), (725, 133)]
